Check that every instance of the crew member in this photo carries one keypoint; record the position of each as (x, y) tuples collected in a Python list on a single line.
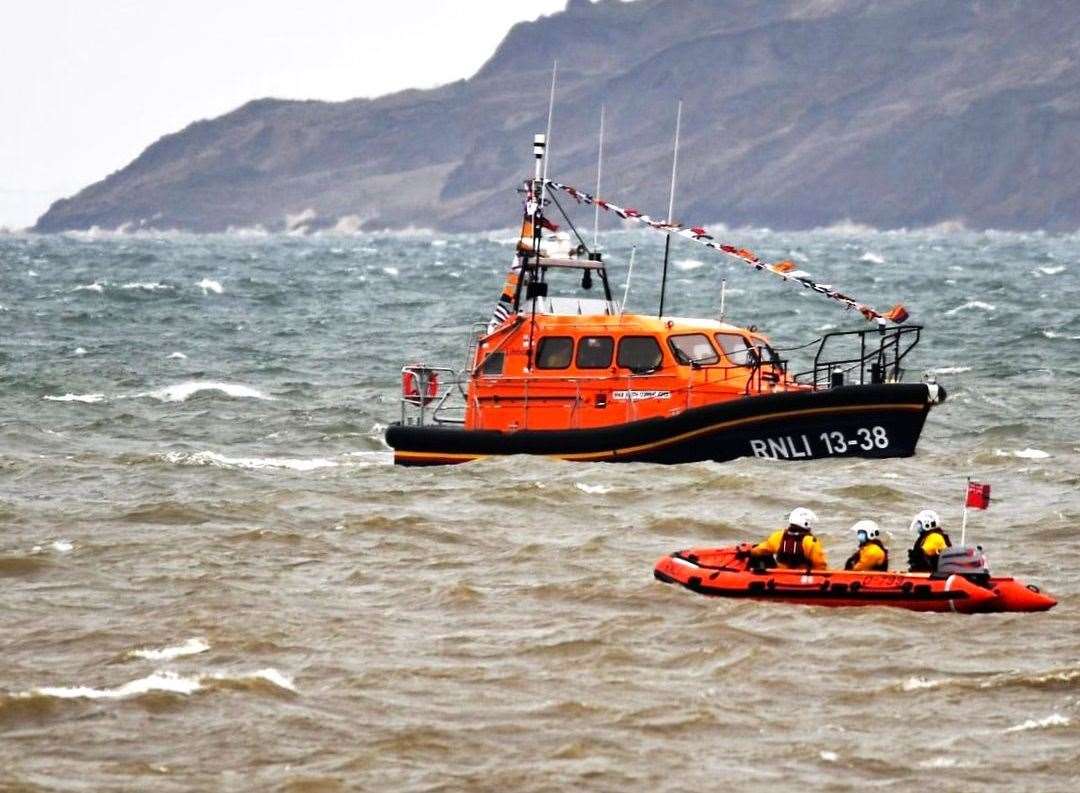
[(871, 553), (795, 547), (930, 541)]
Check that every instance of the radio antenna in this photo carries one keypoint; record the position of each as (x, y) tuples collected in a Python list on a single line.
[(629, 272), (671, 206)]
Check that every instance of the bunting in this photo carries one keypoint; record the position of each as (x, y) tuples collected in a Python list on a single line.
[(787, 270)]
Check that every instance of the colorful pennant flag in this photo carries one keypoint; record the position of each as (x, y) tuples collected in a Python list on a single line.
[(784, 269)]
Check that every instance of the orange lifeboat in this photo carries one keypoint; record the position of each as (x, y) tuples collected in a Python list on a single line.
[(575, 377), (727, 572)]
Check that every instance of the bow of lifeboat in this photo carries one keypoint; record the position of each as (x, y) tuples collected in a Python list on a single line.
[(725, 572)]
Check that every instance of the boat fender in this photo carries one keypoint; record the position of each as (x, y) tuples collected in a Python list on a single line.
[(935, 394)]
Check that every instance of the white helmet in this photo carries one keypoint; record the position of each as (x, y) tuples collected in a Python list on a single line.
[(870, 529), (925, 521), (803, 518)]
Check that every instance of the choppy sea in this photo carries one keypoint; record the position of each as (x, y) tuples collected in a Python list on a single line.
[(214, 579)]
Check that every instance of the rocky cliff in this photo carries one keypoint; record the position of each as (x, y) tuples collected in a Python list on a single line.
[(797, 113)]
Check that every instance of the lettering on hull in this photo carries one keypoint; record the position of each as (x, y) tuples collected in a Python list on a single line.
[(638, 396), (832, 443)]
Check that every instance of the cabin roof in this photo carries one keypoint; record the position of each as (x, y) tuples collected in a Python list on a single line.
[(630, 323)]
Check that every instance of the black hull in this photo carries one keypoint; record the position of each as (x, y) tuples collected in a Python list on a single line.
[(851, 421)]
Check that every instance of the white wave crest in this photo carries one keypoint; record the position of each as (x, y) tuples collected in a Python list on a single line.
[(179, 356), (368, 458), (1053, 720), (968, 306), (79, 351), (872, 258), (94, 287), (391, 271), (88, 398), (828, 757), (688, 264), (299, 222), (182, 391), (269, 674), (158, 681), (1024, 454), (146, 286), (209, 285), (1053, 334), (1052, 270), (192, 646), (951, 370), (166, 681), (62, 546), (347, 224), (248, 463), (919, 683), (592, 489), (938, 762)]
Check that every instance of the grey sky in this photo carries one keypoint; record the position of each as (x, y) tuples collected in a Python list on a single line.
[(86, 86)]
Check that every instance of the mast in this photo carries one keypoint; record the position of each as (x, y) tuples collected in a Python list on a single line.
[(599, 171), (671, 206), (542, 155)]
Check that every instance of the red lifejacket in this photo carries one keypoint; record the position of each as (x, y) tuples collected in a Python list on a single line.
[(791, 552)]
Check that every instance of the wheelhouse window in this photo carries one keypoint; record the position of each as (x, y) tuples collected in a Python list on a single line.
[(640, 354), (693, 348), (554, 352), (493, 364), (737, 349), (594, 352)]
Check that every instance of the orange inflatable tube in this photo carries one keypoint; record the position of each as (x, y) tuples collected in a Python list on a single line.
[(726, 572)]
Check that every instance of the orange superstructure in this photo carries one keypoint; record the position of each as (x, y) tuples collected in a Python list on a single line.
[(553, 371)]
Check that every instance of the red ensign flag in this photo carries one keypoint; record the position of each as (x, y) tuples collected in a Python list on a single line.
[(978, 495)]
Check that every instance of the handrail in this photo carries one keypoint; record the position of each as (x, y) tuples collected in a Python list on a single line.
[(884, 358)]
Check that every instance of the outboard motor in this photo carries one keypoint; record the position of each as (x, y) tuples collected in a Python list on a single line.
[(966, 560)]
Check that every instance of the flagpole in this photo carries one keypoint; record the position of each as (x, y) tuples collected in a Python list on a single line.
[(963, 522)]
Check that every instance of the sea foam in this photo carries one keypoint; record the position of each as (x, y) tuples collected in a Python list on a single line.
[(182, 391), (248, 463), (88, 398), (192, 646), (168, 682), (970, 305), (209, 285), (1024, 454), (1053, 720), (146, 286)]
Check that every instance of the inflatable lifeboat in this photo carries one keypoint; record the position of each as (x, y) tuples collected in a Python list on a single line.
[(729, 572), (575, 376)]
